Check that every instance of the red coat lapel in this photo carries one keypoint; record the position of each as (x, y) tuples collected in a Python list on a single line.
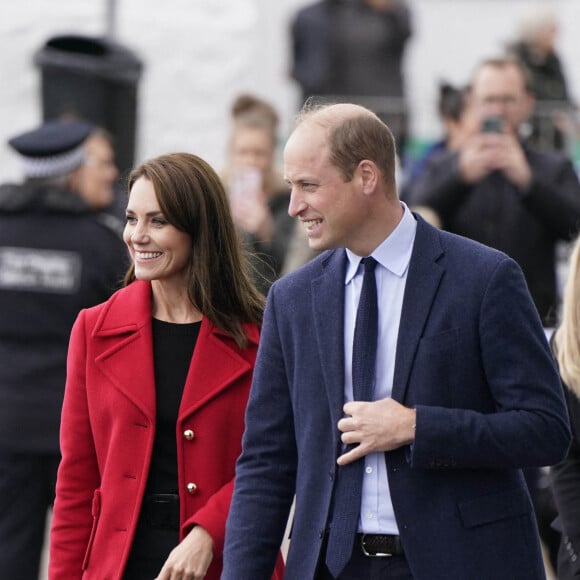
[(217, 362), (126, 353), (125, 345)]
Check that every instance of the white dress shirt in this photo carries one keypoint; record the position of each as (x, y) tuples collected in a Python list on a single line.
[(393, 257)]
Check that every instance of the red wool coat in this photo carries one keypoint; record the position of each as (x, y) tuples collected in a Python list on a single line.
[(108, 427)]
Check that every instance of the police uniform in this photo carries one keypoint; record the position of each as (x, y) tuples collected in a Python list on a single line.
[(56, 257)]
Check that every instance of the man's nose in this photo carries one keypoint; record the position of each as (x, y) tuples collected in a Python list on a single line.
[(296, 205)]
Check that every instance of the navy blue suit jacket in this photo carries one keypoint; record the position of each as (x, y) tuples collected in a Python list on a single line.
[(473, 361)]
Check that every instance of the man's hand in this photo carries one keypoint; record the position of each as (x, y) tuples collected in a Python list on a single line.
[(378, 426), (487, 152), (509, 158), (253, 216), (190, 559), (475, 160)]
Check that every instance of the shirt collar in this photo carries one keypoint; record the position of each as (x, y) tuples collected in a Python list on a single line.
[(394, 253)]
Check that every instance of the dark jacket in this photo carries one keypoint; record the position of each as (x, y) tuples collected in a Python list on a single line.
[(565, 477), (471, 358), (524, 225), (345, 47), (56, 257)]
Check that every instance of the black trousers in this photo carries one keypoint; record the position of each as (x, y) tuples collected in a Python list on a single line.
[(27, 482), (151, 548)]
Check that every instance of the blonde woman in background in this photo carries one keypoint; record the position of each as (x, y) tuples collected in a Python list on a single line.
[(259, 197), (566, 475)]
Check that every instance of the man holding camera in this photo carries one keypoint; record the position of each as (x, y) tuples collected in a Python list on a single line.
[(498, 191)]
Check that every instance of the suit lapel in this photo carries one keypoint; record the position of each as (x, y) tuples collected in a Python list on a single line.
[(328, 313), (422, 283), (126, 345)]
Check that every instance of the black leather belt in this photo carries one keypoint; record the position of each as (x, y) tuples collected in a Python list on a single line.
[(380, 545), (161, 511)]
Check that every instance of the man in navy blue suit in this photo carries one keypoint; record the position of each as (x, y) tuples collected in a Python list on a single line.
[(465, 389)]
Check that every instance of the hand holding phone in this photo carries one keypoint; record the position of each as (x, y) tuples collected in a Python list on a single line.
[(246, 187), (249, 205)]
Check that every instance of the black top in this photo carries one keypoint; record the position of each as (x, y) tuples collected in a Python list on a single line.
[(173, 346), (565, 478)]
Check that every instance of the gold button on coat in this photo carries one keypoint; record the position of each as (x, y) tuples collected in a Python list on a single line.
[(189, 434), (191, 488)]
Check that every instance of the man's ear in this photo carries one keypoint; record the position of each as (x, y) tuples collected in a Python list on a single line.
[(369, 175)]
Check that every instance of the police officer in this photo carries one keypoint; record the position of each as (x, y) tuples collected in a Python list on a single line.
[(58, 254)]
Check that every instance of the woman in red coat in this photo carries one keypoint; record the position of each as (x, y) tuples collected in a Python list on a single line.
[(157, 383)]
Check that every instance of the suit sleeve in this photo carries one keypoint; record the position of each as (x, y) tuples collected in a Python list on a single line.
[(78, 474), (527, 424), (212, 518), (265, 472)]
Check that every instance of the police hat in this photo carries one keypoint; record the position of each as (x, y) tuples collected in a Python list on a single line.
[(53, 149)]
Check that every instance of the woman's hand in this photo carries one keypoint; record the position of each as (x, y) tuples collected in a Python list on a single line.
[(190, 559)]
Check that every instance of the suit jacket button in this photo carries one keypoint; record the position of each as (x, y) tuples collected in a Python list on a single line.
[(189, 434), (191, 488)]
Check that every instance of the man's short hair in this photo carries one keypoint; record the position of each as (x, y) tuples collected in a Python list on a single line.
[(503, 62), (354, 133)]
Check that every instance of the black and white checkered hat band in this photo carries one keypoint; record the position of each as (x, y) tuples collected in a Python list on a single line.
[(53, 165)]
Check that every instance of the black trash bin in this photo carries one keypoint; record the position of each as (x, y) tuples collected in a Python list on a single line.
[(95, 79)]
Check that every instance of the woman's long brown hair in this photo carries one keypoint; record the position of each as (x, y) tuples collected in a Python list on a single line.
[(192, 198)]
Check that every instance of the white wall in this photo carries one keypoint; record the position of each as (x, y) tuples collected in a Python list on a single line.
[(200, 53)]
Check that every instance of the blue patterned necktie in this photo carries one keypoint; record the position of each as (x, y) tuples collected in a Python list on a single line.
[(348, 490)]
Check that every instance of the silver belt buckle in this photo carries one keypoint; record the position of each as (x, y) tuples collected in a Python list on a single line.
[(368, 554)]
